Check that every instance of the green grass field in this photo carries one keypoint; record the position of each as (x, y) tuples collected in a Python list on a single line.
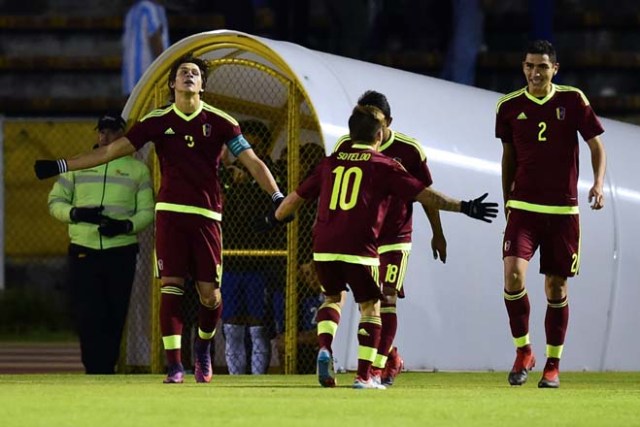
[(417, 399)]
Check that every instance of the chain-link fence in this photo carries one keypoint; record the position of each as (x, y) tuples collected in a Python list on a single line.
[(34, 300), (269, 289)]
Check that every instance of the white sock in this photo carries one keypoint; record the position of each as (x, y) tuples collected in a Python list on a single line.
[(234, 348), (260, 353)]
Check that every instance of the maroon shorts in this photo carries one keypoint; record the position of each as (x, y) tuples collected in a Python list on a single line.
[(558, 237), (393, 268), (362, 279), (188, 246)]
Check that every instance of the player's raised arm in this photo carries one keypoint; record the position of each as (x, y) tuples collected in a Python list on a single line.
[(119, 148), (476, 208)]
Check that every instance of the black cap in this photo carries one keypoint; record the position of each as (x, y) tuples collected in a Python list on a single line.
[(111, 120)]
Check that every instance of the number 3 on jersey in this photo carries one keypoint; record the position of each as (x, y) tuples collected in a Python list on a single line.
[(190, 141), (346, 187)]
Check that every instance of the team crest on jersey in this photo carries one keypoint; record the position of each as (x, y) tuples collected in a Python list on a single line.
[(206, 129), (560, 113)]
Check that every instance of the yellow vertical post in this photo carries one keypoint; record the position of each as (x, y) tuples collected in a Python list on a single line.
[(293, 173), (157, 360)]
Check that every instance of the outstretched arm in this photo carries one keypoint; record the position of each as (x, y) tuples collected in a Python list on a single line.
[(258, 171), (434, 199), (282, 213), (475, 208), (118, 148), (289, 206), (599, 165)]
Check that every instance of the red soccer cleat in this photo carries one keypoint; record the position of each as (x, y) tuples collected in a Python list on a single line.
[(525, 361), (392, 368), (550, 376)]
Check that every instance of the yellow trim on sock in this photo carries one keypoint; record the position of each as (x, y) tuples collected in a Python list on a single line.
[(380, 361), (555, 351), (172, 342), (206, 335), (173, 290), (367, 353), (510, 297), (371, 319), (561, 304), (327, 327), (332, 306), (521, 341), (389, 310)]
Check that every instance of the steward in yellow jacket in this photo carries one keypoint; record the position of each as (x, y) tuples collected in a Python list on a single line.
[(105, 207)]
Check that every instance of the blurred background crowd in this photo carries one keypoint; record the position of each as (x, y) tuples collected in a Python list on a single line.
[(65, 56)]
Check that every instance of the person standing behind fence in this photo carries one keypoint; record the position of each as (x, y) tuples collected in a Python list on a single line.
[(105, 207), (189, 136), (145, 37)]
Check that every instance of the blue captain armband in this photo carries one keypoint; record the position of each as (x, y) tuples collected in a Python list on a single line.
[(237, 145)]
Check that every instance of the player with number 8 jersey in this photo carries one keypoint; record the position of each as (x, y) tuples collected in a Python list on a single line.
[(353, 187)]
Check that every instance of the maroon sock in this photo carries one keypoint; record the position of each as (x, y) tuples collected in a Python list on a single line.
[(208, 317), (368, 342), (389, 320), (556, 321), (328, 317), (518, 309), (171, 318)]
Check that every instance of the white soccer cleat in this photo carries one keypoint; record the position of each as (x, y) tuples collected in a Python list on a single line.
[(359, 383)]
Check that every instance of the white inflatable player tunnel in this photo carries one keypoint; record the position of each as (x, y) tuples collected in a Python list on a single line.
[(453, 317)]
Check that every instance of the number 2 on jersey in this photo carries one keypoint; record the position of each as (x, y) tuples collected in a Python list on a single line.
[(346, 184), (543, 129)]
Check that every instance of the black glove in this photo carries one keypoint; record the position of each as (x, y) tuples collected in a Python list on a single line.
[(477, 209), (47, 168), (110, 227), (90, 215), (277, 199), (267, 222)]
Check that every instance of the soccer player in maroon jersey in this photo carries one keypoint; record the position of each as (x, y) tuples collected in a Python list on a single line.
[(352, 187), (539, 127), (189, 136), (395, 236)]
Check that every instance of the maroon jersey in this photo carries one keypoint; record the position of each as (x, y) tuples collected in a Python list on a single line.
[(189, 150), (544, 134), (398, 221), (353, 186)]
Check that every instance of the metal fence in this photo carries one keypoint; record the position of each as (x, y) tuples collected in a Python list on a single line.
[(269, 289)]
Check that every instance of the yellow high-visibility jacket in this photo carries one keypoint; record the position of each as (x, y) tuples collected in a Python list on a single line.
[(123, 186)]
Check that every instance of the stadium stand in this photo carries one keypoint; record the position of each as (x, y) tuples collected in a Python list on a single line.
[(62, 70)]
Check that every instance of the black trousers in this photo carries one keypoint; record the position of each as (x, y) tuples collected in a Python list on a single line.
[(99, 290)]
